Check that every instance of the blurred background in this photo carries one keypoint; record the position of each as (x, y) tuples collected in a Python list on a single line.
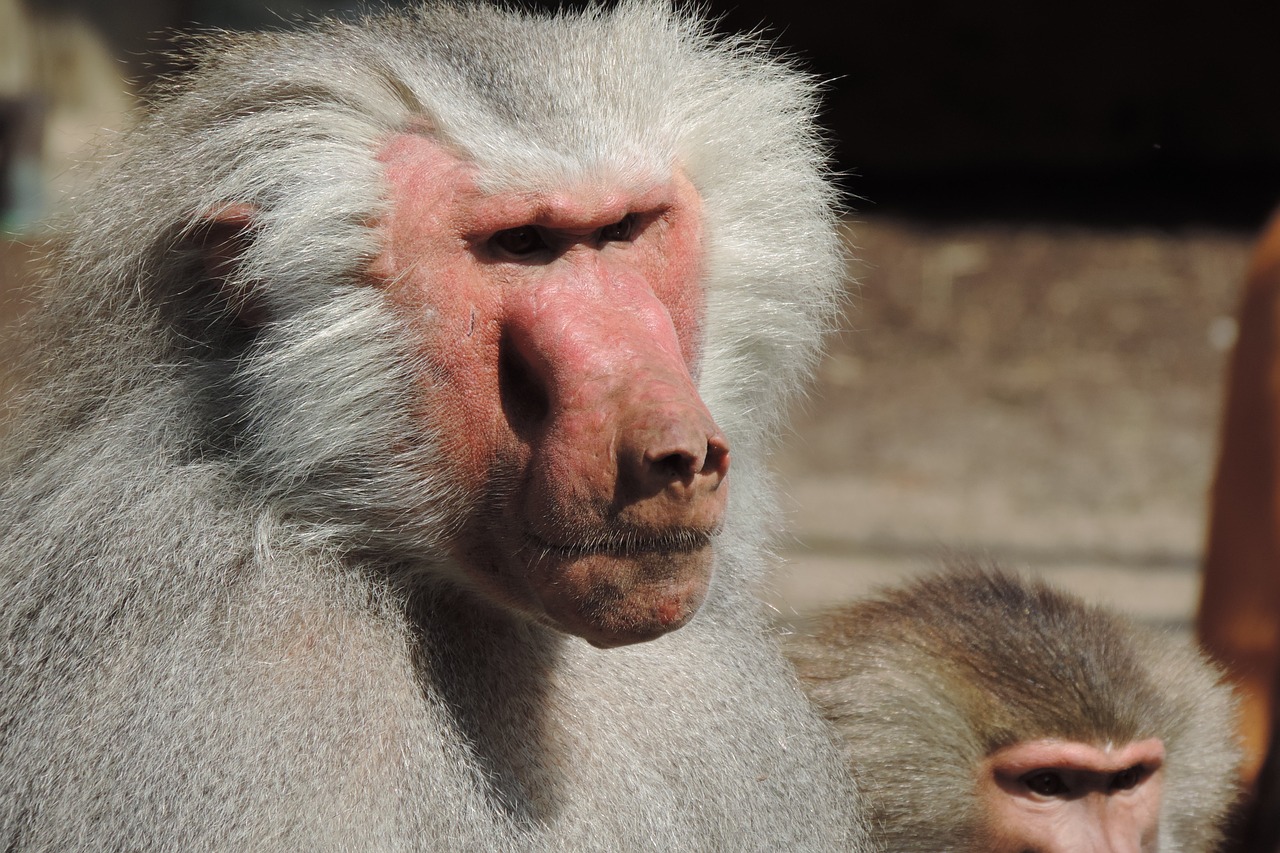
[(1051, 208)]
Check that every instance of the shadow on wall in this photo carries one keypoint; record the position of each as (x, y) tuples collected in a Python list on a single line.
[(1141, 111)]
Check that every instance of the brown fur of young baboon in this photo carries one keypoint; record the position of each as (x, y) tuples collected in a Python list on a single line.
[(984, 713), (380, 443)]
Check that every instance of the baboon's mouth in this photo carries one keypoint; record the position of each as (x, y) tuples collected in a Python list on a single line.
[(626, 543), (621, 588)]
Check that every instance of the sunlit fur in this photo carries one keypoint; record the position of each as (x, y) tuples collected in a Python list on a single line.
[(228, 620), (925, 681)]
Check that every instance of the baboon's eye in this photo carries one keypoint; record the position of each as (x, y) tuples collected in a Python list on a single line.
[(519, 242), (619, 231), (1128, 778), (1046, 783)]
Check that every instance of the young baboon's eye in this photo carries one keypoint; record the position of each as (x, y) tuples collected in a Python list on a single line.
[(1046, 783), (519, 242), (620, 230), (1128, 778)]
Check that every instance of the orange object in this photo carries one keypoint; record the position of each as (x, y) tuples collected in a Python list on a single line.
[(1239, 618)]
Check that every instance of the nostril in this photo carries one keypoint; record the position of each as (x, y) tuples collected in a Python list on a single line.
[(678, 464), (716, 462), (675, 466), (525, 401)]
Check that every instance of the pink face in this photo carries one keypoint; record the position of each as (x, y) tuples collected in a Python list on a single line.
[(561, 329), (1052, 796)]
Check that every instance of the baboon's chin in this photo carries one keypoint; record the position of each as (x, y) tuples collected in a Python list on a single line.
[(614, 598)]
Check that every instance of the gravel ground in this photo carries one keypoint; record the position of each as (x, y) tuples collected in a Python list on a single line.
[(1043, 394)]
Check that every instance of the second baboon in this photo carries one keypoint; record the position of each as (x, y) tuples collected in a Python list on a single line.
[(985, 714)]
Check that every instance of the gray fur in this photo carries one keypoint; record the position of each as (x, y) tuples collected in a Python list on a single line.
[(923, 682), (228, 618)]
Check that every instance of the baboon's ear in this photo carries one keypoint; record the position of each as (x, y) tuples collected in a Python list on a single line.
[(220, 237)]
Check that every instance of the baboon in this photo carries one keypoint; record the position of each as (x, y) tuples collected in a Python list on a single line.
[(386, 389), (983, 713)]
